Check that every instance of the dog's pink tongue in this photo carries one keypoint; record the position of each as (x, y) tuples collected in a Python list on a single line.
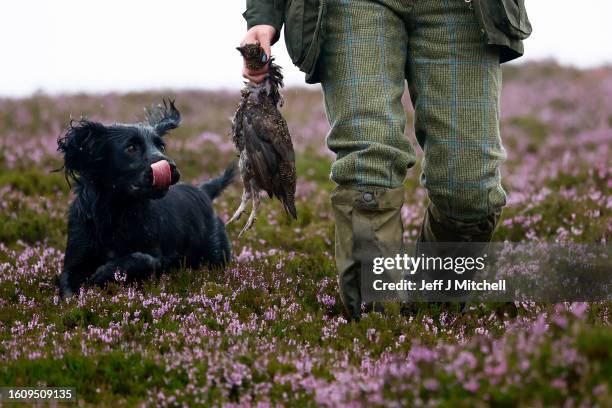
[(162, 175)]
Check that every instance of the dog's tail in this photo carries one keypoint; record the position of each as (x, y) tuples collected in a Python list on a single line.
[(215, 187)]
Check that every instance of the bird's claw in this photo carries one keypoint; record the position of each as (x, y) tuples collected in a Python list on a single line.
[(246, 227), (235, 217)]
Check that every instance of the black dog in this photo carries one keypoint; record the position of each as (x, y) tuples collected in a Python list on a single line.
[(123, 220)]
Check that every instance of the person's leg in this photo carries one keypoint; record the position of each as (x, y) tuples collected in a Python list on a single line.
[(455, 83), (362, 73)]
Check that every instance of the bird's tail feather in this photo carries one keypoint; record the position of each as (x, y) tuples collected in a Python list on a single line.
[(215, 187), (290, 208)]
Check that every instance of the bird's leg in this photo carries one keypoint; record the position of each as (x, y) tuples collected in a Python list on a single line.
[(251, 219), (246, 197)]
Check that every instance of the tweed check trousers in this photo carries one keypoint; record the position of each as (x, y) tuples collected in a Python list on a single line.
[(370, 49)]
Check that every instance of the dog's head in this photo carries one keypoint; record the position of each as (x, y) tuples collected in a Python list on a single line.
[(127, 160)]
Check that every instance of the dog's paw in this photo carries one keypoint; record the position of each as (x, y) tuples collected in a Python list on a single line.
[(66, 292), (103, 275), (145, 261)]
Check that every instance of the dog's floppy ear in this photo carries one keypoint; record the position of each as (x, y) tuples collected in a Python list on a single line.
[(164, 118), (83, 148)]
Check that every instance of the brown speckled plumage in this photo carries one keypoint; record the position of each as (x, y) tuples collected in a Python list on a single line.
[(261, 136), (254, 56)]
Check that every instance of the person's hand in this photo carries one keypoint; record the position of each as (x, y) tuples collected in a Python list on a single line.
[(262, 35)]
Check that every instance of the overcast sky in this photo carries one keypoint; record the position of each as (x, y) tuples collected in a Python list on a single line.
[(97, 46)]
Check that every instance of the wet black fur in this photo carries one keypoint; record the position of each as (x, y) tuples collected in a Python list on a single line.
[(119, 222)]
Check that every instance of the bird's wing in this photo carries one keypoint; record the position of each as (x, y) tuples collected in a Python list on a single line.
[(271, 153), (261, 154)]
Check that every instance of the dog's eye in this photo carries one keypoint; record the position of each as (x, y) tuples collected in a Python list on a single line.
[(131, 149), (162, 148)]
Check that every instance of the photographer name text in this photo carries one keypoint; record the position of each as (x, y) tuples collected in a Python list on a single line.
[(440, 285)]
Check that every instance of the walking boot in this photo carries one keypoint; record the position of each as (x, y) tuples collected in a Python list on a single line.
[(368, 223), (439, 228)]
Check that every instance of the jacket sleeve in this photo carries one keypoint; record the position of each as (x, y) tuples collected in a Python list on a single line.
[(270, 12)]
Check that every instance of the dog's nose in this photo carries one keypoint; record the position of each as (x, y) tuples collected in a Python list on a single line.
[(176, 174)]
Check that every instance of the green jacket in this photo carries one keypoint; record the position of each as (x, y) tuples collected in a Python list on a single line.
[(504, 23)]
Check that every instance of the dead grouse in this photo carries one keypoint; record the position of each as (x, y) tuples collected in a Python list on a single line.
[(261, 136)]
